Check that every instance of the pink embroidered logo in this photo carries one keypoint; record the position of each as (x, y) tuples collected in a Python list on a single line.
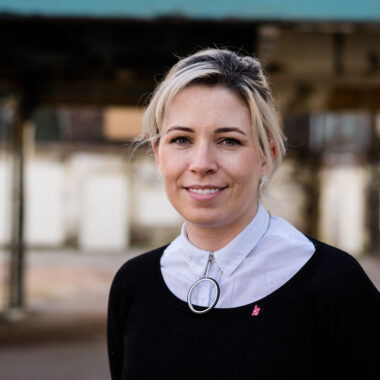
[(256, 311)]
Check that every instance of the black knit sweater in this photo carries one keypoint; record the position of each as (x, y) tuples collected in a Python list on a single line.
[(323, 323)]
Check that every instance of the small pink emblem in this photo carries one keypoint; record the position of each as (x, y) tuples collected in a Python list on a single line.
[(256, 311)]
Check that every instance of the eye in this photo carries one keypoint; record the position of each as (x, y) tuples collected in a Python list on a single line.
[(230, 141), (180, 140)]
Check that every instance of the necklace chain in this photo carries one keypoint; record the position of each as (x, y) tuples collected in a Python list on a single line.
[(213, 282)]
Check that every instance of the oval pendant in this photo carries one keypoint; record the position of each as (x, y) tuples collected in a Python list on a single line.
[(217, 294)]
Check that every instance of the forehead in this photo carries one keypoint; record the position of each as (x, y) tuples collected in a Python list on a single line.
[(207, 105)]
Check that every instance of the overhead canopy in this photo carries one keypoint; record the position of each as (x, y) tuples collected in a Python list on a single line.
[(293, 10), (73, 53)]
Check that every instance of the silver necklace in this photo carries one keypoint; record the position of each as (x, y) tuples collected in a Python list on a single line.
[(204, 279), (212, 281)]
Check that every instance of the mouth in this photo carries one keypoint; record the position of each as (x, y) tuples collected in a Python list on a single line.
[(210, 190), (203, 193)]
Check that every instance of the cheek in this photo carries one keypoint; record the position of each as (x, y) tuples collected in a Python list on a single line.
[(246, 169), (171, 166)]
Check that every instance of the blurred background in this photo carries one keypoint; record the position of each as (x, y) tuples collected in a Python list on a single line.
[(75, 203)]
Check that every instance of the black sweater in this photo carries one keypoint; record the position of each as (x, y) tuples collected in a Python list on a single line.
[(323, 323)]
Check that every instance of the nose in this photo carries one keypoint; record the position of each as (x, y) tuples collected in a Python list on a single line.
[(203, 160)]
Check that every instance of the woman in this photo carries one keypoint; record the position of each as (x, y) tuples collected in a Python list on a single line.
[(240, 293)]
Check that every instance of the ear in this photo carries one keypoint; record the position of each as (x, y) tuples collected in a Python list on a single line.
[(273, 150), (273, 153)]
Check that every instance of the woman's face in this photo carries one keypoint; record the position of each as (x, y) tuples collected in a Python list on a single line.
[(208, 159)]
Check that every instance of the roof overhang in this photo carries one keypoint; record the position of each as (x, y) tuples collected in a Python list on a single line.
[(271, 10)]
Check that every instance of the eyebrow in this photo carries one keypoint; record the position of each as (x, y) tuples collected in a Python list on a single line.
[(230, 129), (179, 128), (219, 130)]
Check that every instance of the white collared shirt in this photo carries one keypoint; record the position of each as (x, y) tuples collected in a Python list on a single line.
[(263, 257)]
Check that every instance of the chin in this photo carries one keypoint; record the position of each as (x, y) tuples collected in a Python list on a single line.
[(205, 219)]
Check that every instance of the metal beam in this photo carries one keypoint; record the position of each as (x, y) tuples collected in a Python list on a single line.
[(17, 258), (339, 10)]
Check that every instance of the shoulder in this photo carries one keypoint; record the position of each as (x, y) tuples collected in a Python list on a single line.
[(136, 269), (341, 274), (123, 288), (335, 261), (330, 262)]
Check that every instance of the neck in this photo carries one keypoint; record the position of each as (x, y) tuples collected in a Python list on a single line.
[(213, 238)]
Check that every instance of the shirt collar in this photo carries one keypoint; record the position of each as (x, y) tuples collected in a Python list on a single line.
[(232, 255)]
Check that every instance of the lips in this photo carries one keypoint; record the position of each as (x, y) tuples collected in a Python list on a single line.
[(204, 193)]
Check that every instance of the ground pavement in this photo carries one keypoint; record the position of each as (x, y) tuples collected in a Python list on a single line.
[(61, 336)]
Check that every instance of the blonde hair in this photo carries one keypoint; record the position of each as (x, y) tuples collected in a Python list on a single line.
[(241, 74)]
